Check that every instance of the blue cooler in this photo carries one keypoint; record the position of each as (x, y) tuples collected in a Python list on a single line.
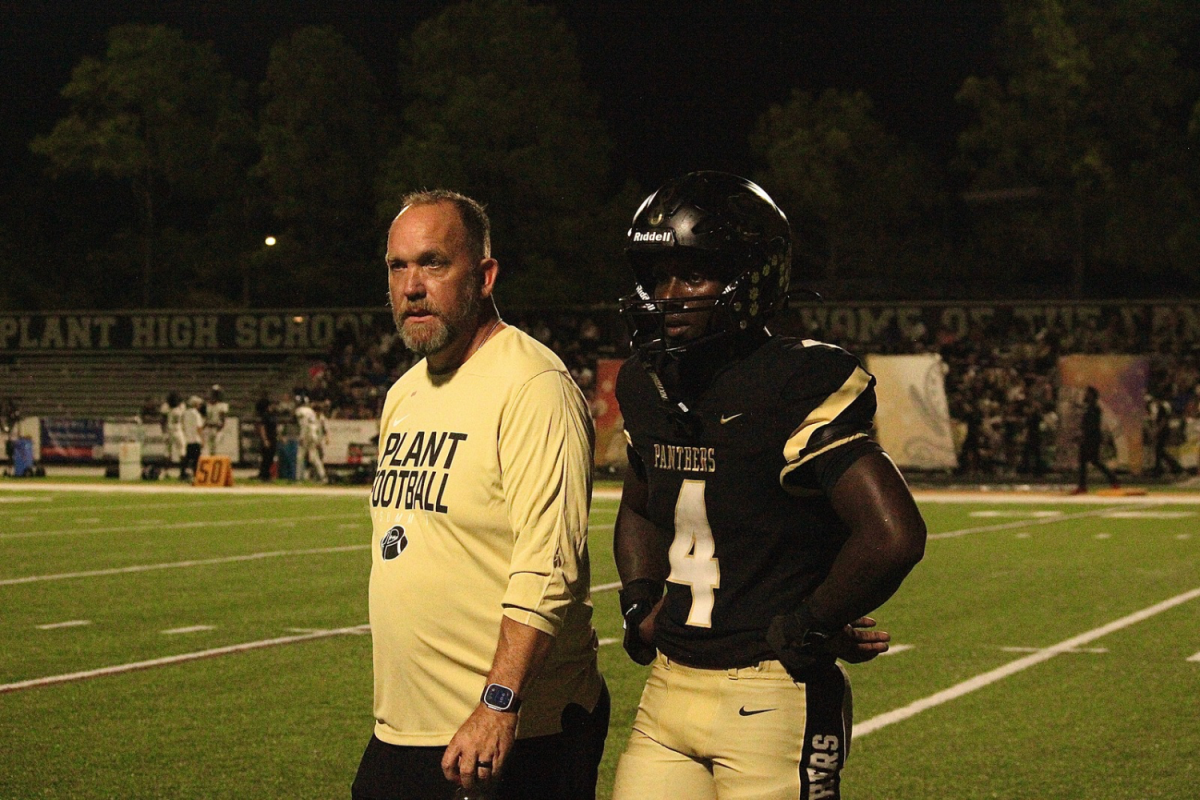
[(289, 452), (22, 456)]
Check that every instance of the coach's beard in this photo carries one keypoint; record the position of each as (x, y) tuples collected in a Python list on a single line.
[(427, 338)]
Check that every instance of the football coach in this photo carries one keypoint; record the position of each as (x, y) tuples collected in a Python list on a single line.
[(481, 620)]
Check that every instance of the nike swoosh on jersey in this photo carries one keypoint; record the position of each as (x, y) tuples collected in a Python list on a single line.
[(742, 712), (730, 418)]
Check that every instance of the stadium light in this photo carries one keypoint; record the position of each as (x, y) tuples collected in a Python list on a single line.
[(269, 241)]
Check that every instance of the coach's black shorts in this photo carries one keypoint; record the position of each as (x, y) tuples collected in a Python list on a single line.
[(562, 766)]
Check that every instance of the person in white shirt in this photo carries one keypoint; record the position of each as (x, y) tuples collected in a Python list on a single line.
[(215, 412), (312, 440), (193, 430), (172, 411)]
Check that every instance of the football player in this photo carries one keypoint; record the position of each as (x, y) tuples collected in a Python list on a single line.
[(172, 415), (756, 498), (215, 412), (312, 440)]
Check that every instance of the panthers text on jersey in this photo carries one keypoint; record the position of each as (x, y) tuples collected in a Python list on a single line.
[(741, 485)]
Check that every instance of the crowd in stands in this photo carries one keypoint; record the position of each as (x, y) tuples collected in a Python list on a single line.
[(1000, 377), (1001, 389), (356, 374)]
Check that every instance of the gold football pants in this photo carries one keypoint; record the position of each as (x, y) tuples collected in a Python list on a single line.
[(737, 734)]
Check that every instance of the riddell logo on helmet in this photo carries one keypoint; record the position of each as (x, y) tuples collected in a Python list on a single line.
[(654, 237)]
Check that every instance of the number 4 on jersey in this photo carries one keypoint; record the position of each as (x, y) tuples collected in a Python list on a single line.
[(691, 554)]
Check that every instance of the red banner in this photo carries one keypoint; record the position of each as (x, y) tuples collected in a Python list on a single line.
[(610, 427)]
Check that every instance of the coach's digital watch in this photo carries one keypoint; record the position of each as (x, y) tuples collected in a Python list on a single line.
[(500, 698)]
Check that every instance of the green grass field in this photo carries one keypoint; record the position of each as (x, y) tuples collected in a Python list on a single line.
[(1046, 648)]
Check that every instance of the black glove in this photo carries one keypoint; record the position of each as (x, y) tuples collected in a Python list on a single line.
[(637, 601), (799, 641)]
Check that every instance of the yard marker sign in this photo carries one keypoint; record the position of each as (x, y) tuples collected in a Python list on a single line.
[(213, 471)]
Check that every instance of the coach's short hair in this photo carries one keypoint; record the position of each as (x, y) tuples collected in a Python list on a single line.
[(474, 219)]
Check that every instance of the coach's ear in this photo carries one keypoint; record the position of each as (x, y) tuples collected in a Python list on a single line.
[(491, 269)]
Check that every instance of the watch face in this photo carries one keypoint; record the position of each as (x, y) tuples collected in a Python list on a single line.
[(497, 696)]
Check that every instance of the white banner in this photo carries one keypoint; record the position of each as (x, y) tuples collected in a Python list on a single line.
[(351, 441), (913, 418), (154, 440)]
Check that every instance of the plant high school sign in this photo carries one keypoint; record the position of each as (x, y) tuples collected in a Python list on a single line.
[(176, 331)]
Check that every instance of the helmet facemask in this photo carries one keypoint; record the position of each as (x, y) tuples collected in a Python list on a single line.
[(725, 228)]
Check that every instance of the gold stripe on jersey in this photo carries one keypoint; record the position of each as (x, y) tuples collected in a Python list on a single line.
[(827, 412), (800, 491)]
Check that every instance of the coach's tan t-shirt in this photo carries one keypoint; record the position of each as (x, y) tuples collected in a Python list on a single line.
[(480, 509)]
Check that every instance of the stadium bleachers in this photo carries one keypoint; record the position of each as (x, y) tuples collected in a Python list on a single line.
[(117, 386)]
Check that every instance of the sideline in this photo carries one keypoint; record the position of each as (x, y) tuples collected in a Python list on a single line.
[(1029, 523), (152, 487), (46, 505), (252, 487), (199, 562), (179, 659), (1013, 667), (176, 526), (985, 496)]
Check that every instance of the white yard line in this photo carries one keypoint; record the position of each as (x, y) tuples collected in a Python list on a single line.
[(897, 648), (188, 629), (1026, 514), (1151, 514), (71, 623), (1021, 664), (175, 526), (1195, 658), (118, 669), (984, 497), (1038, 650), (1028, 523), (197, 562), (24, 512), (152, 487)]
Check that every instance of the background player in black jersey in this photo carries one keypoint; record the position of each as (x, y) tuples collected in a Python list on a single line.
[(757, 498)]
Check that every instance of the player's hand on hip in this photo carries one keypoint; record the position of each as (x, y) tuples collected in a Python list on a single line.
[(856, 643), (477, 752), (640, 603)]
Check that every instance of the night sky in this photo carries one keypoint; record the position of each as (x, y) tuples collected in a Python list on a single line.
[(680, 84)]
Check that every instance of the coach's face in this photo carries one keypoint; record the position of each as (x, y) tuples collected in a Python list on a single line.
[(435, 284)]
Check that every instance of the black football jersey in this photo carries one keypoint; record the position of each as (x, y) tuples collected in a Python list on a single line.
[(740, 482)]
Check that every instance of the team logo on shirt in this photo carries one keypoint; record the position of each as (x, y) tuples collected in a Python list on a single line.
[(393, 543), (685, 459), (414, 470)]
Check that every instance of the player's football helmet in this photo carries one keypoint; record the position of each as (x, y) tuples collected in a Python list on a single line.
[(735, 231)]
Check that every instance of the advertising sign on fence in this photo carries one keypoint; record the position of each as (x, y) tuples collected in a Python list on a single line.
[(71, 439)]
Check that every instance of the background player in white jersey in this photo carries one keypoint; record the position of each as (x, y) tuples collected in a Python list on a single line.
[(312, 440), (484, 651), (215, 412), (172, 415), (193, 434), (756, 496)]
